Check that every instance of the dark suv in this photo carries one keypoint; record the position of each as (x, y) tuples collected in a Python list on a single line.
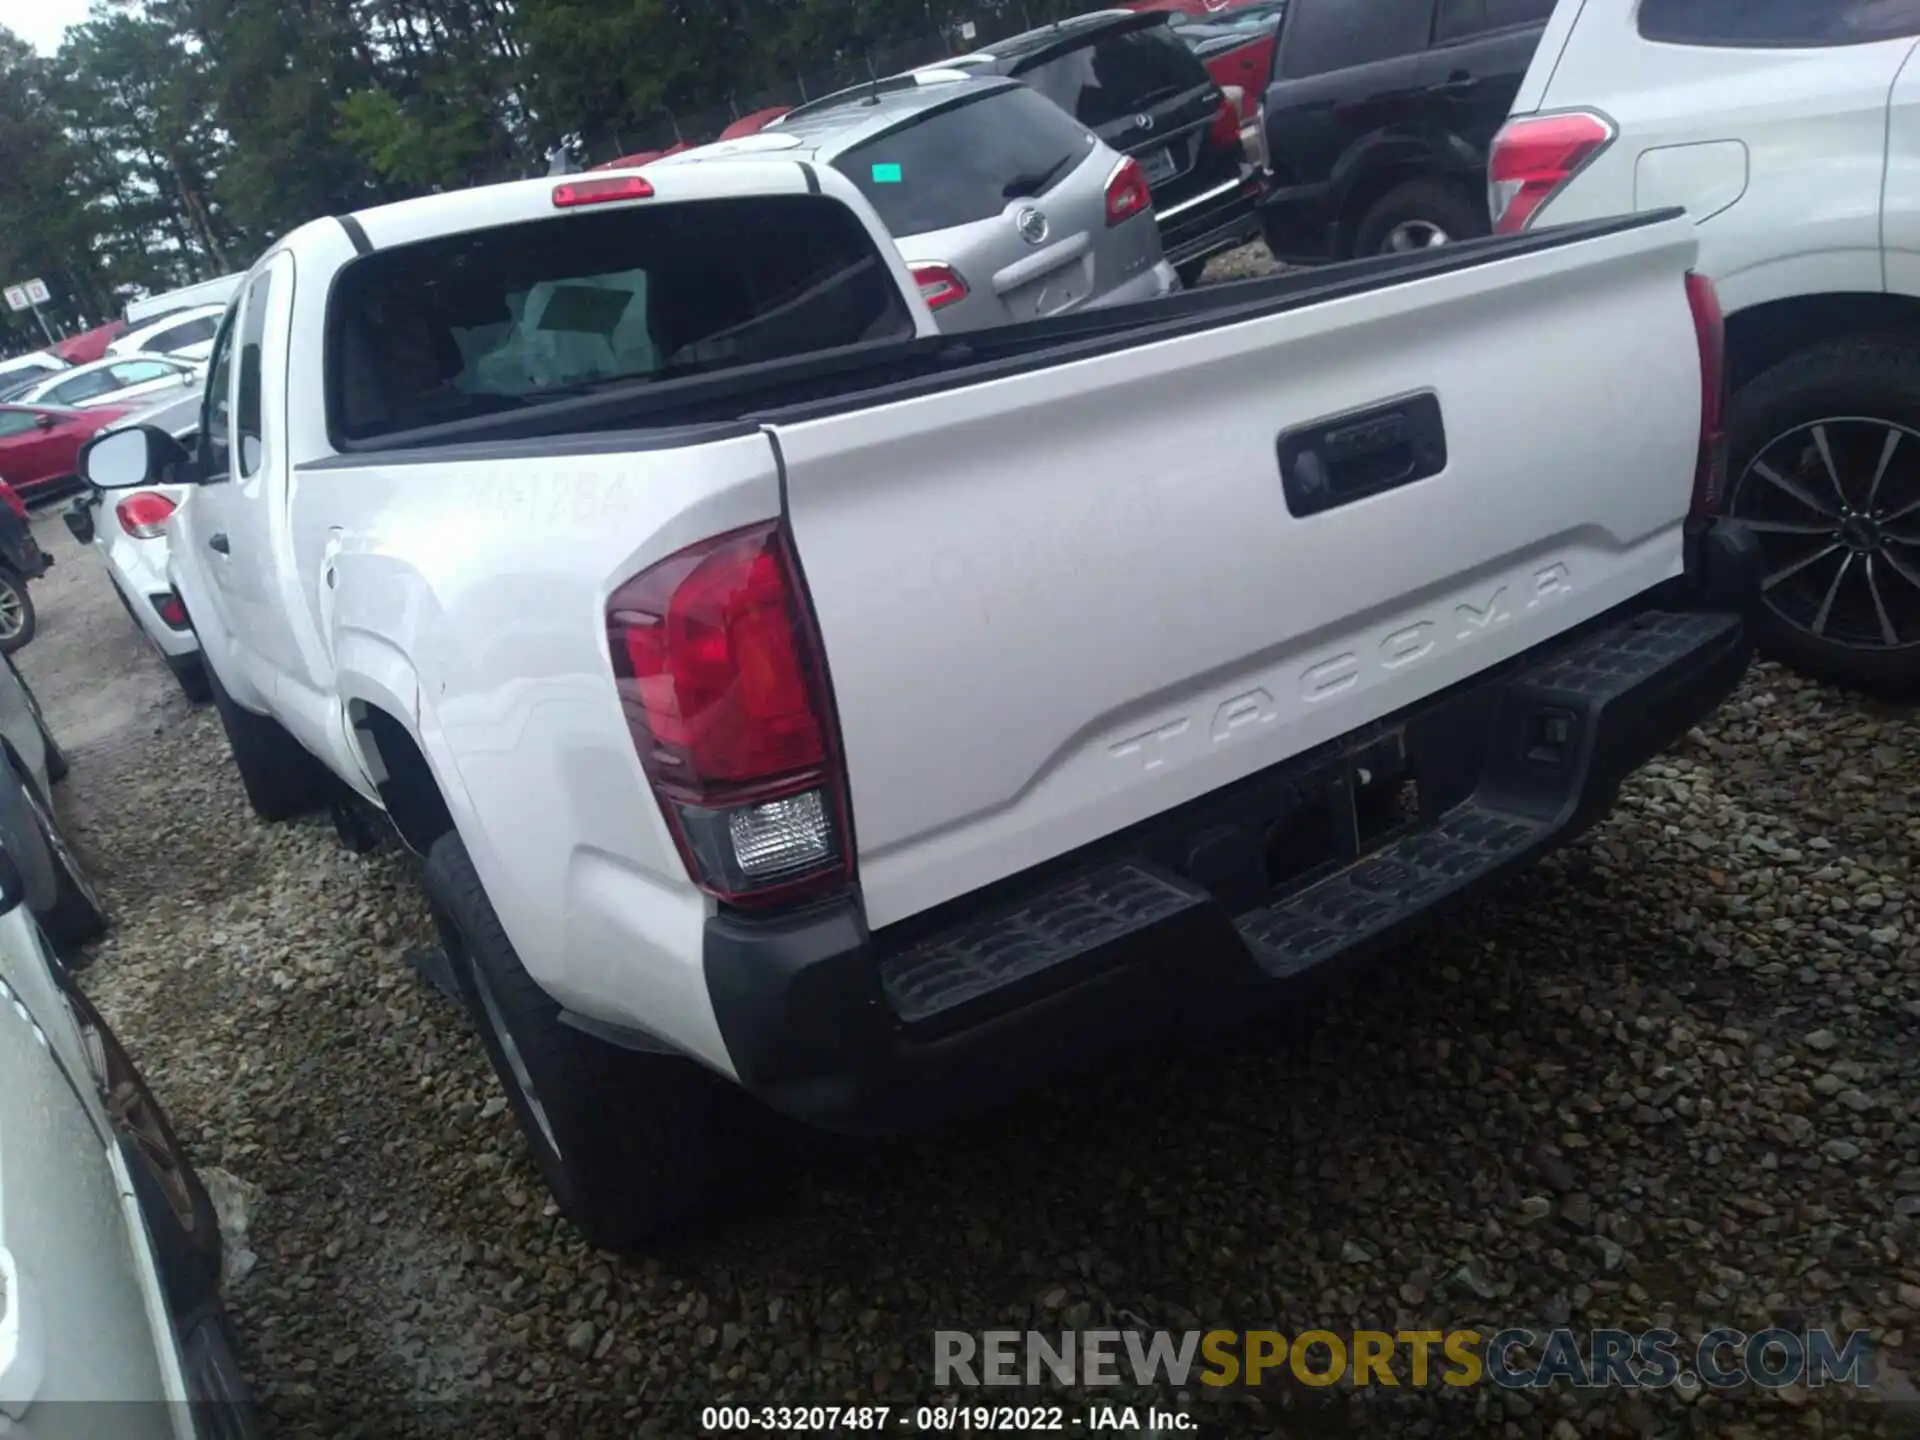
[(1378, 120), (1128, 78)]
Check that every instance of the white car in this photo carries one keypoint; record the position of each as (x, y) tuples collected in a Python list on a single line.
[(1790, 133), (23, 370), (794, 703), (186, 334), (128, 532), (116, 380), (109, 1248)]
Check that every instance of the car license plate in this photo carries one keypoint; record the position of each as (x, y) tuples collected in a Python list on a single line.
[(1159, 165), (1049, 294)]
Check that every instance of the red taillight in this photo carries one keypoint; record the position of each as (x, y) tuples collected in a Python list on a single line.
[(1225, 134), (11, 498), (144, 516), (1710, 329), (168, 607), (719, 673), (1127, 192), (1533, 157), (939, 284), (599, 192)]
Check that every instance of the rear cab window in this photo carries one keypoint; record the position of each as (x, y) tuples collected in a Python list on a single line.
[(1785, 24), (488, 321), (1321, 36), (1117, 75), (964, 163)]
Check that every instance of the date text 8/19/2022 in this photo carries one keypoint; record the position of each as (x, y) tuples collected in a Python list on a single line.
[(943, 1419)]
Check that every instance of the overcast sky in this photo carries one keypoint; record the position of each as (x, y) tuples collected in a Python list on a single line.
[(42, 22)]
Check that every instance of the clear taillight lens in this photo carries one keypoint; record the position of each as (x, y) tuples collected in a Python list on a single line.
[(940, 285), (720, 675), (1533, 157), (1127, 192)]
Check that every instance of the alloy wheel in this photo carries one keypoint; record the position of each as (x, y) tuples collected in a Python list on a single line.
[(1414, 235), (1835, 506), (13, 613), (63, 855)]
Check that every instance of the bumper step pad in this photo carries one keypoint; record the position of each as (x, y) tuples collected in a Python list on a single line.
[(1615, 696), (1052, 930), (1387, 887)]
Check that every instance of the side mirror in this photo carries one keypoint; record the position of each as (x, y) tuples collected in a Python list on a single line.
[(13, 885), (43, 421), (123, 459)]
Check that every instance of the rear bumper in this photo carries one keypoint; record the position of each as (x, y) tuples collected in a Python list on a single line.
[(1211, 226), (1178, 925)]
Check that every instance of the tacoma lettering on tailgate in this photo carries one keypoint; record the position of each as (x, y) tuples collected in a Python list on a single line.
[(1408, 643)]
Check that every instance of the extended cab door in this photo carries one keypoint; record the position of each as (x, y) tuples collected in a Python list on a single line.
[(234, 508)]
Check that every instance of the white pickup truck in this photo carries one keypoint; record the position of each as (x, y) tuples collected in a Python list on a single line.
[(788, 700)]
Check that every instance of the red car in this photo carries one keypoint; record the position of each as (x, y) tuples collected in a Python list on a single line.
[(89, 345), (754, 123), (1233, 38), (38, 444)]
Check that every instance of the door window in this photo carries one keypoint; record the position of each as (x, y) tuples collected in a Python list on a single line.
[(80, 388), (967, 162), (216, 414), (1784, 24), (247, 416), (1326, 35), (1117, 76), (1458, 19), (138, 372), (15, 422)]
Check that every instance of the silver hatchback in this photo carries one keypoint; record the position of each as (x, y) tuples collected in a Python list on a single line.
[(1003, 206)]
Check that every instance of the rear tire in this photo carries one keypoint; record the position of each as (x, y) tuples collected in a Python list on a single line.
[(56, 758), (281, 779), (190, 673), (632, 1145), (16, 611), (1855, 391), (77, 914), (1419, 215)]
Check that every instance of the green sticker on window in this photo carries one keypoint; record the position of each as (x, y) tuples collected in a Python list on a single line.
[(886, 174)]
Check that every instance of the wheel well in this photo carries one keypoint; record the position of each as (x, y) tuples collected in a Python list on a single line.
[(403, 777), (1762, 336), (1372, 187)]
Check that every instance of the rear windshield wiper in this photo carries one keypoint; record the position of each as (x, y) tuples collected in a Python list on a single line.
[(1035, 183)]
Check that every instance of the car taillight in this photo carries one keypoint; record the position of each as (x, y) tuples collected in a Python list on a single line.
[(167, 605), (144, 516), (1225, 134), (1127, 192), (722, 681), (1710, 330), (939, 284), (1533, 157)]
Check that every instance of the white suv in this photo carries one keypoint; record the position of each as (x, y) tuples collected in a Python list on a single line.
[(1791, 133)]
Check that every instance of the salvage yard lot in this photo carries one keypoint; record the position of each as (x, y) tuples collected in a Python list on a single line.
[(1671, 1077)]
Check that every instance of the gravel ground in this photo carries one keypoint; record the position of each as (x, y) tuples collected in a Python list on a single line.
[(1669, 1077)]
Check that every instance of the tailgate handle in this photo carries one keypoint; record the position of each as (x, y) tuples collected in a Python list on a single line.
[(1361, 453)]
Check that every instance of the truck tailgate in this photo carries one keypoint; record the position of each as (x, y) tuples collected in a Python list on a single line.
[(1062, 601)]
